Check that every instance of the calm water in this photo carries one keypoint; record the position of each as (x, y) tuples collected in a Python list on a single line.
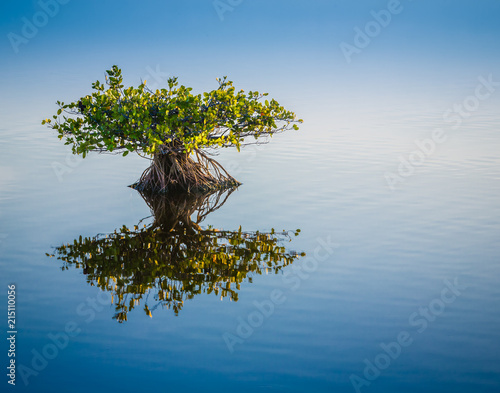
[(410, 264), (388, 253)]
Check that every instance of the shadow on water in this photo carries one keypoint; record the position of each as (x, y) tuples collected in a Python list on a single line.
[(173, 258)]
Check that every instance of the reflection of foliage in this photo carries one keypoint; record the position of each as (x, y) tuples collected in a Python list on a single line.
[(174, 257)]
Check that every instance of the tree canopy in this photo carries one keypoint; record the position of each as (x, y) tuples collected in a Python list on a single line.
[(168, 120)]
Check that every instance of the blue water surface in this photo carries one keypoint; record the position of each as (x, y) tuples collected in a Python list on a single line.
[(400, 223)]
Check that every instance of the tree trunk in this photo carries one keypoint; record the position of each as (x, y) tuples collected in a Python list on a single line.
[(171, 171)]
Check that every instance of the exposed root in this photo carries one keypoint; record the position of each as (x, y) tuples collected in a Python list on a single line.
[(178, 171)]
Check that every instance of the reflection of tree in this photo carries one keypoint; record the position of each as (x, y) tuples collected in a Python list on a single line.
[(174, 258)]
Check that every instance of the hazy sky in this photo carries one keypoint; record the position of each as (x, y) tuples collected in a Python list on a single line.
[(314, 46), (248, 31)]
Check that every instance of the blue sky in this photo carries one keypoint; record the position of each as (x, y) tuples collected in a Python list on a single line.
[(250, 29), (268, 43)]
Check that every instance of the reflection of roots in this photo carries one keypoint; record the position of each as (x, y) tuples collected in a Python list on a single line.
[(177, 208), (171, 170)]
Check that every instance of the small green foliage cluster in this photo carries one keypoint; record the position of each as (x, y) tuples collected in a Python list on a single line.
[(118, 119)]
